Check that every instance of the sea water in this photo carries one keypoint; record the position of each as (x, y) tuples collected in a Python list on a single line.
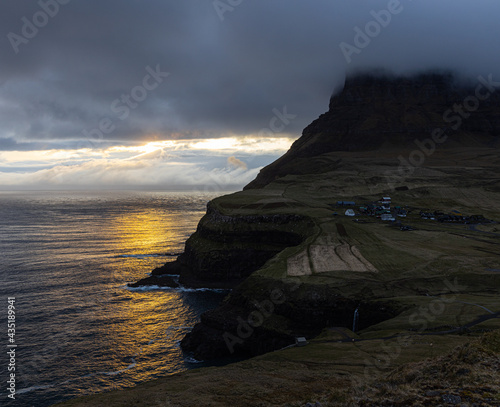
[(66, 258)]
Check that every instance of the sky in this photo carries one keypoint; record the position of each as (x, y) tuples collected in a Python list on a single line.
[(176, 94)]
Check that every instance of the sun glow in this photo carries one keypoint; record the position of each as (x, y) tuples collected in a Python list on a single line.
[(147, 148), (244, 144), (216, 144), (247, 145), (224, 160)]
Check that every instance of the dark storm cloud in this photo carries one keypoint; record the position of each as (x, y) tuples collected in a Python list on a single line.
[(228, 69)]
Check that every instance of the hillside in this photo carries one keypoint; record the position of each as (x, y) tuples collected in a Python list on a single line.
[(342, 264)]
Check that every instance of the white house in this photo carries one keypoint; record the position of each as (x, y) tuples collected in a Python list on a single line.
[(387, 217), (385, 202)]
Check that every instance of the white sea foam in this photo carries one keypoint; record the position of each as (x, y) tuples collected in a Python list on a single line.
[(190, 359), (33, 388), (181, 289), (131, 366), (195, 290), (147, 288)]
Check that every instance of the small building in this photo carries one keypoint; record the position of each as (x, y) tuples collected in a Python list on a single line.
[(300, 341), (350, 212), (385, 202), (387, 217), (346, 203), (427, 215)]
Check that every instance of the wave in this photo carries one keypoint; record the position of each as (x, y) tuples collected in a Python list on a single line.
[(180, 289), (192, 360), (111, 373), (183, 289), (131, 366), (33, 388), (147, 288)]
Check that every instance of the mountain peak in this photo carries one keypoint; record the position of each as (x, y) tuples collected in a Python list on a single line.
[(362, 88), (377, 112)]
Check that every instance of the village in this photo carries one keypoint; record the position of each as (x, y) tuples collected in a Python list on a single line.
[(386, 212)]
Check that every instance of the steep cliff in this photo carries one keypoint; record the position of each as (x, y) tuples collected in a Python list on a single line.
[(231, 241)]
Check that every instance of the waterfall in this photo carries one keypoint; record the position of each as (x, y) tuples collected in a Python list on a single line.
[(355, 320)]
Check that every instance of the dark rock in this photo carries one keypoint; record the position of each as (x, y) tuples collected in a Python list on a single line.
[(224, 332), (160, 281), (306, 311), (172, 268), (451, 399)]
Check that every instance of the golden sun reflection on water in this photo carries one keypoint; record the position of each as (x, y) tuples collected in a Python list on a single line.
[(143, 231), (149, 344), (150, 341), (152, 231)]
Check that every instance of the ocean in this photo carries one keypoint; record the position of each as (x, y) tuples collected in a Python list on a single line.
[(66, 258)]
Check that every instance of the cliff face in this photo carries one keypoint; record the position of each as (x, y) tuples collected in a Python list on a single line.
[(373, 113), (265, 314), (230, 244), (297, 265), (227, 248)]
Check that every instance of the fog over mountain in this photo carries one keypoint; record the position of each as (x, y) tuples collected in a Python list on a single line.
[(96, 74)]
